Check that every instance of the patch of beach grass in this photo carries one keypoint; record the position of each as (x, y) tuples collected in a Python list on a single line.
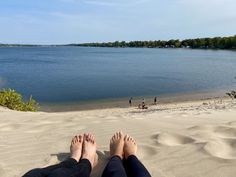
[(11, 99)]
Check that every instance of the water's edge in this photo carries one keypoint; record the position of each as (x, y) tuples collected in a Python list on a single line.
[(124, 102)]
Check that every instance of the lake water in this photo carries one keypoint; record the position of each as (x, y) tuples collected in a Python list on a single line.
[(74, 74)]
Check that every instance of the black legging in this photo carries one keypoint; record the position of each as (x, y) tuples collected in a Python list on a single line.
[(67, 168), (131, 167)]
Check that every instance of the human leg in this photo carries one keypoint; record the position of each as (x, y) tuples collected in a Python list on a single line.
[(81, 169), (75, 149), (115, 166), (85, 165), (133, 166)]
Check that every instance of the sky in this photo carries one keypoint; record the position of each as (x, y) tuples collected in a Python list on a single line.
[(79, 21)]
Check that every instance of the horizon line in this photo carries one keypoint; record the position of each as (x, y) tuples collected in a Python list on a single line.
[(66, 44)]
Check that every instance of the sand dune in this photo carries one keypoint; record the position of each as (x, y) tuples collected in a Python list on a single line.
[(189, 139)]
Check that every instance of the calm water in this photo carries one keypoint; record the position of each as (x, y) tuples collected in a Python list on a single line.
[(73, 74)]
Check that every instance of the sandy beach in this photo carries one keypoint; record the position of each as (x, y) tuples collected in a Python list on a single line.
[(188, 139)]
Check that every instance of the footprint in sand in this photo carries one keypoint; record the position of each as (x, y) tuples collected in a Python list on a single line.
[(225, 132), (233, 123), (146, 151), (172, 139), (222, 148), (200, 128)]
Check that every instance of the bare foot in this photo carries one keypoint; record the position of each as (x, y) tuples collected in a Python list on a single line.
[(117, 145), (130, 146), (89, 149), (76, 147)]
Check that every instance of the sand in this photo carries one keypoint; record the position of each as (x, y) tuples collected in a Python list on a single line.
[(190, 139)]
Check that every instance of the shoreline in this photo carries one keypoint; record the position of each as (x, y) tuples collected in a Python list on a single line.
[(123, 102)]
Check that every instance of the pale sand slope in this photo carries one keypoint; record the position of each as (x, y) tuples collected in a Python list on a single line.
[(182, 140)]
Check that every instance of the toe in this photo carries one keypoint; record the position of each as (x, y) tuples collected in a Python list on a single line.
[(92, 137), (119, 134), (87, 137), (80, 138), (116, 135), (112, 139), (73, 140), (126, 137), (76, 139)]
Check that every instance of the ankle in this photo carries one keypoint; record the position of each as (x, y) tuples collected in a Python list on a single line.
[(89, 157), (75, 158), (130, 154), (117, 155)]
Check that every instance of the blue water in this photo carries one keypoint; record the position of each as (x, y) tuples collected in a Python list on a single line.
[(73, 74)]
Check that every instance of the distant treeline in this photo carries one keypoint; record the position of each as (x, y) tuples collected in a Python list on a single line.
[(199, 43), (18, 45)]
